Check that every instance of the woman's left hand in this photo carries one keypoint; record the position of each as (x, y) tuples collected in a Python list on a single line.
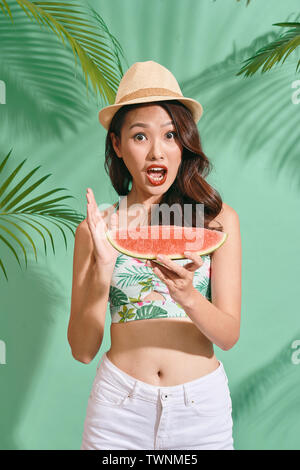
[(178, 279)]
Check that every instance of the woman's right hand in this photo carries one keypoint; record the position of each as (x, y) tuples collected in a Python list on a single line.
[(105, 253)]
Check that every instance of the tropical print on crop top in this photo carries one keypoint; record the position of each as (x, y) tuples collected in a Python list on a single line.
[(132, 281)]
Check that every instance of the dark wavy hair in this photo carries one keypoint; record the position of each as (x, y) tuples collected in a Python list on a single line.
[(189, 186)]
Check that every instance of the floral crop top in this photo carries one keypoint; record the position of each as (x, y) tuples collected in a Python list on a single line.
[(132, 281)]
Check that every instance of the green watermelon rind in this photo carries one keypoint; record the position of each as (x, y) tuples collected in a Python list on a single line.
[(121, 249)]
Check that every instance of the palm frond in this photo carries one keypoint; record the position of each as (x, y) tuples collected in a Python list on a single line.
[(272, 53), (69, 22), (3, 268), (258, 112), (16, 213), (46, 92), (115, 45), (5, 8)]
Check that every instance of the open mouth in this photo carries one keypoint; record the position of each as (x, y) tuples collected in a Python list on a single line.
[(157, 177)]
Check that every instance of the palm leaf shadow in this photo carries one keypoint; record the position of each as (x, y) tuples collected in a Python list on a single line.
[(31, 306), (281, 373), (257, 111), (45, 90)]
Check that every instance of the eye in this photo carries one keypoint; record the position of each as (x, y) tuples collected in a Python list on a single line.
[(137, 135), (140, 133), (172, 132)]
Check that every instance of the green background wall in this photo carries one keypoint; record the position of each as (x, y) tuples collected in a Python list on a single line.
[(249, 130)]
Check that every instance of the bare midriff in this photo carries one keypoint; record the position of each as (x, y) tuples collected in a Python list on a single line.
[(162, 352)]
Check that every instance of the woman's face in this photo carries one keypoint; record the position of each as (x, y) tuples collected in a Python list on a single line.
[(149, 137)]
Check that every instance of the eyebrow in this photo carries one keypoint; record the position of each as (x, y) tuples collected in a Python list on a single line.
[(141, 124)]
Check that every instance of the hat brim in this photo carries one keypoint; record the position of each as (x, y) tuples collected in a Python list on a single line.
[(106, 114)]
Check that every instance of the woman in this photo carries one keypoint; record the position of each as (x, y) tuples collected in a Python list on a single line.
[(160, 385)]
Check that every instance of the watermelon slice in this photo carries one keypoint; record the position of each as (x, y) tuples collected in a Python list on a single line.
[(146, 242)]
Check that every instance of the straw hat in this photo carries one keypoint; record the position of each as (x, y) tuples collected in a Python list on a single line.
[(145, 82)]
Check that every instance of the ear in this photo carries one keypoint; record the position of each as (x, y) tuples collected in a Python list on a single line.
[(116, 144)]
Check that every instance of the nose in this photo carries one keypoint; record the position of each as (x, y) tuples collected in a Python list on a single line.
[(156, 150)]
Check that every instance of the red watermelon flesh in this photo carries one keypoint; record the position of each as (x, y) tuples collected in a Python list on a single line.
[(146, 242)]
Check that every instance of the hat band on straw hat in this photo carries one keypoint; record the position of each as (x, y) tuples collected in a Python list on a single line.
[(143, 92)]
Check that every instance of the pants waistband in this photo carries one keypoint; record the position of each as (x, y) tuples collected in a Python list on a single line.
[(182, 393)]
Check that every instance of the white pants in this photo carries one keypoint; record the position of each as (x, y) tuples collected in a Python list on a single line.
[(125, 413)]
